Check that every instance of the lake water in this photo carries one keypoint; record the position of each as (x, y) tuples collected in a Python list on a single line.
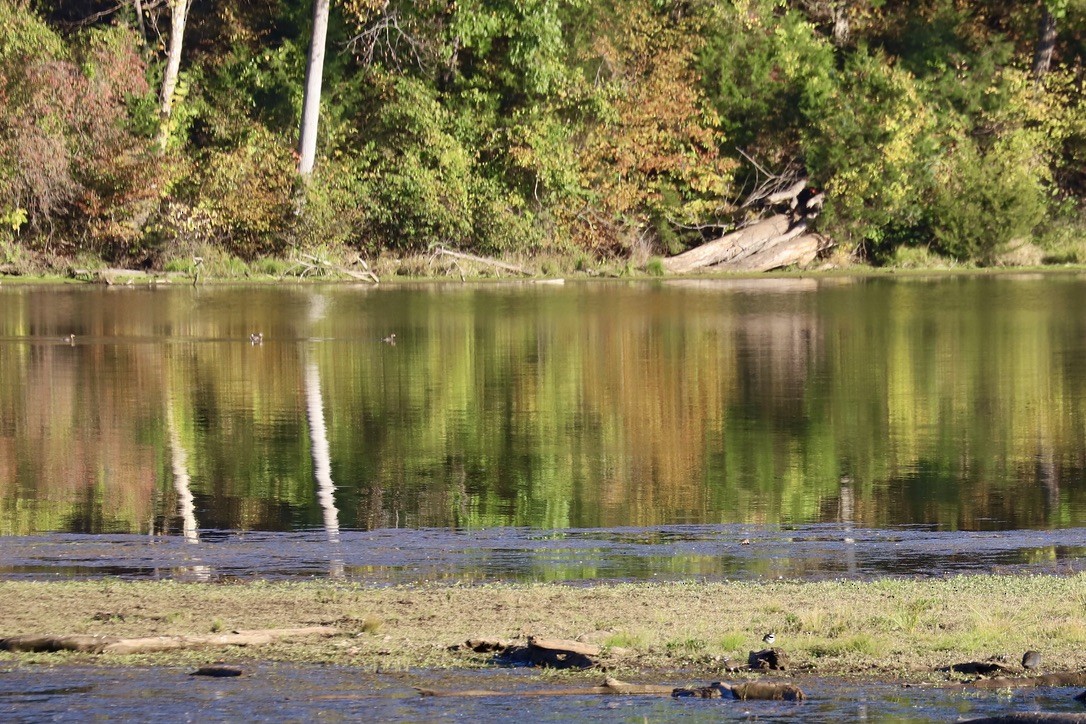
[(709, 428)]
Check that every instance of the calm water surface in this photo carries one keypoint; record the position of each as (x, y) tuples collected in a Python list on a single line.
[(293, 692), (592, 430)]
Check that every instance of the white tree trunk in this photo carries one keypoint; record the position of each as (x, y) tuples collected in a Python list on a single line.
[(179, 11), (311, 103)]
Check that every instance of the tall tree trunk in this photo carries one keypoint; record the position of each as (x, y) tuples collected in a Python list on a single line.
[(139, 21), (1046, 42), (311, 103), (179, 11)]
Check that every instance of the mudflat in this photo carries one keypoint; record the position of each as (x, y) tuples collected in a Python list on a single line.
[(902, 629)]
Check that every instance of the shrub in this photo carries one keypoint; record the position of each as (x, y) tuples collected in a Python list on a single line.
[(985, 200)]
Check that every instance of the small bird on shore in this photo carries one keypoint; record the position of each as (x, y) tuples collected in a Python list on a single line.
[(1031, 660), (390, 339), (769, 638), (256, 338)]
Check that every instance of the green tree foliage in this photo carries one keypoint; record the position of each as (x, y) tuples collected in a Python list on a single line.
[(610, 127)]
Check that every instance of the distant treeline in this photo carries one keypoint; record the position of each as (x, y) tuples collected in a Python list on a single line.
[(604, 128)]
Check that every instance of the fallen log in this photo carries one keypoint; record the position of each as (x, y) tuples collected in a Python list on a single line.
[(481, 260), (152, 644), (310, 264), (799, 250), (729, 246), (560, 654)]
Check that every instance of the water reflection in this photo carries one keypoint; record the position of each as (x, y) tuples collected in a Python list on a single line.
[(955, 403), (396, 556)]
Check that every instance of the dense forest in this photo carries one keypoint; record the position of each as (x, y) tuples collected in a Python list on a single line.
[(148, 133)]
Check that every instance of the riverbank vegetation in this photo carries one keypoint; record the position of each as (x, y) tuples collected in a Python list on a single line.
[(574, 130), (886, 628)]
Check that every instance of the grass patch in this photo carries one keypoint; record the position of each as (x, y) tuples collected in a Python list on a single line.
[(625, 640), (903, 628)]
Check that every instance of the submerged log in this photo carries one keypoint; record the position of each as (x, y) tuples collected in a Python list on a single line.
[(152, 644), (1067, 678), (217, 671), (767, 691), (1029, 717), (715, 690), (612, 686), (609, 686)]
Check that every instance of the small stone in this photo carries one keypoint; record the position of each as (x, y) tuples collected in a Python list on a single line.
[(217, 670)]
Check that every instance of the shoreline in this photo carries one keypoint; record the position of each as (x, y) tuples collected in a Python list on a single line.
[(121, 278), (886, 629)]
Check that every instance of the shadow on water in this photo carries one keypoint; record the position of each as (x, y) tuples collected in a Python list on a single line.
[(305, 693), (520, 554)]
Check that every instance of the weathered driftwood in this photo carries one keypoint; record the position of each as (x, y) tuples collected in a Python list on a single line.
[(787, 194), (151, 644), (560, 654), (481, 260), (611, 686), (729, 246), (484, 646), (767, 659), (553, 653), (311, 264), (794, 248)]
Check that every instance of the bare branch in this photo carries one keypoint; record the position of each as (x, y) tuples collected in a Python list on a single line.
[(380, 39)]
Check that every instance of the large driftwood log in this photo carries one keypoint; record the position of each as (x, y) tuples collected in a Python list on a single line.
[(798, 250), (151, 644), (729, 246)]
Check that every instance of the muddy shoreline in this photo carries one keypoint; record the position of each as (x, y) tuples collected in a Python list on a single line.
[(887, 630)]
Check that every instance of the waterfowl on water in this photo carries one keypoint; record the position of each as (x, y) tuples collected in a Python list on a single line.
[(256, 338), (390, 339)]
